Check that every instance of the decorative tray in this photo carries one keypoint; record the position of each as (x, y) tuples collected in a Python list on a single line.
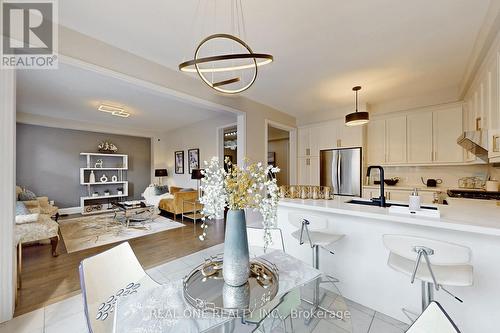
[(204, 288)]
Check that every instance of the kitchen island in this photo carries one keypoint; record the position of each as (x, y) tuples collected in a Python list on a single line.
[(360, 260)]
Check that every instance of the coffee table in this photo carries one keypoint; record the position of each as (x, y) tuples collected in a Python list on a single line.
[(133, 213)]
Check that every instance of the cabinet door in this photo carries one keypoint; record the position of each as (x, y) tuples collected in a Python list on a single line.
[(314, 171), (395, 129), (327, 134), (303, 146), (447, 126), (349, 136), (419, 137), (303, 170), (376, 142)]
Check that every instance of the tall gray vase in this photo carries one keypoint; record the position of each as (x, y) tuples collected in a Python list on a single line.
[(236, 264)]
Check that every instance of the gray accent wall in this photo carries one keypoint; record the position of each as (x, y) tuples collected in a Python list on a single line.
[(48, 161)]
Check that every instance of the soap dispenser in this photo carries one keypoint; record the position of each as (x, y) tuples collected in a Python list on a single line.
[(414, 200)]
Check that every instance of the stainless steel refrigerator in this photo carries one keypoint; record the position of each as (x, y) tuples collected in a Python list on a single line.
[(341, 169)]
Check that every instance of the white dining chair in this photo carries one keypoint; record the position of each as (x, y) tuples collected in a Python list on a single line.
[(255, 236), (434, 319), (282, 306), (106, 277)]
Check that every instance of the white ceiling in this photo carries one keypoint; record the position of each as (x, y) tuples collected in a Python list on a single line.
[(73, 93), (395, 49)]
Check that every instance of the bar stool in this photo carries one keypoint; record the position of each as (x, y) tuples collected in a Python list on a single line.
[(314, 230), (435, 263)]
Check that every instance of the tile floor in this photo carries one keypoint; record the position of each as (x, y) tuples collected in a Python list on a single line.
[(67, 315)]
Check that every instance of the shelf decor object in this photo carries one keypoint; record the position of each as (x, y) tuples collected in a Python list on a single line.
[(231, 71), (357, 118), (107, 147), (92, 176), (250, 187)]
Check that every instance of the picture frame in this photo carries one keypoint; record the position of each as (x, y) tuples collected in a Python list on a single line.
[(179, 161), (271, 158), (193, 159)]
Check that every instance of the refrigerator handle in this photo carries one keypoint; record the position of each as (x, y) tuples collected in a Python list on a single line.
[(339, 179)]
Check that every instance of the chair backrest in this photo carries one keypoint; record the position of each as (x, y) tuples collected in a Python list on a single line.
[(256, 238), (316, 222), (444, 253), (106, 277), (433, 320)]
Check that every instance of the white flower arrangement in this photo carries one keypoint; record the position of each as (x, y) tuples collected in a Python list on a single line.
[(253, 186)]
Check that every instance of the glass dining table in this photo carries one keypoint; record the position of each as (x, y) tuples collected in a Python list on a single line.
[(306, 301)]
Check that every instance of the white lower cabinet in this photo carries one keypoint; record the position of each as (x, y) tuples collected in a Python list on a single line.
[(308, 171)]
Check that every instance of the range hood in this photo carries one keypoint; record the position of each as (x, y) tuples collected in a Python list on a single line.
[(476, 142)]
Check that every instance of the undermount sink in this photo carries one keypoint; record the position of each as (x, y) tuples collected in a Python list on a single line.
[(387, 204)]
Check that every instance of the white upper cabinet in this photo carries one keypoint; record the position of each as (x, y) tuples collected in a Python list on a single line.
[(395, 131), (327, 135), (375, 142), (305, 141), (447, 126), (419, 137), (349, 136)]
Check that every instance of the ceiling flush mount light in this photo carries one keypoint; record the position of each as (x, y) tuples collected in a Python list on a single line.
[(357, 118), (224, 61), (114, 110)]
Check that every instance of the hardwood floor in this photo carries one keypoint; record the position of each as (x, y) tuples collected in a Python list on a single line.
[(47, 279)]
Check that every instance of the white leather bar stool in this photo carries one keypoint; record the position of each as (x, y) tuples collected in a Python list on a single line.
[(314, 230), (435, 263)]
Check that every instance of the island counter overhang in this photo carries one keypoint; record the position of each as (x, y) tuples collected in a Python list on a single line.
[(360, 260)]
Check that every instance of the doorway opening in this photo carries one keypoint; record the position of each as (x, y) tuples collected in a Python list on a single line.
[(230, 145), (278, 153)]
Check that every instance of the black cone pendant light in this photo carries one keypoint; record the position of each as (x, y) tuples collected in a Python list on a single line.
[(357, 118)]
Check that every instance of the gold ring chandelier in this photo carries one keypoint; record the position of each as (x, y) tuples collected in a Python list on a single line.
[(230, 72)]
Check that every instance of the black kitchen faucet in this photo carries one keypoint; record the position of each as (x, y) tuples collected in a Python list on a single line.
[(381, 170)]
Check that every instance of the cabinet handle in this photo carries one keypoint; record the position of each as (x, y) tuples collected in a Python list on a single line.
[(308, 161), (435, 156), (496, 143), (308, 151), (339, 143)]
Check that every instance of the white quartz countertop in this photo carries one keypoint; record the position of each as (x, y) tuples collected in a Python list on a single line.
[(468, 216)]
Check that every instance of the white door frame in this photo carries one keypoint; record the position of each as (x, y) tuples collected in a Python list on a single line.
[(7, 193), (292, 132)]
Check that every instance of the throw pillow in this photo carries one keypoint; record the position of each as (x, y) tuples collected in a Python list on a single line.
[(21, 208), (23, 215), (27, 195), (161, 189)]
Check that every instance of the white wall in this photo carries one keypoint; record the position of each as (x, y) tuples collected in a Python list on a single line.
[(201, 135), (7, 192), (410, 175)]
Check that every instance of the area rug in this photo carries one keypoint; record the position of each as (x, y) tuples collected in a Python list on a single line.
[(86, 232)]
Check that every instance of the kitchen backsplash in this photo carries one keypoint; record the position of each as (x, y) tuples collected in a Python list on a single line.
[(411, 175)]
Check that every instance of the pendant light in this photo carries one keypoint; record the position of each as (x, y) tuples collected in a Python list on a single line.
[(357, 118), (234, 69)]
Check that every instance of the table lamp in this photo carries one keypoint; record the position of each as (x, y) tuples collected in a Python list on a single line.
[(198, 175), (161, 173)]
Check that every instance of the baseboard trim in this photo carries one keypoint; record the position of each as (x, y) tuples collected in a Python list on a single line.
[(70, 210)]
